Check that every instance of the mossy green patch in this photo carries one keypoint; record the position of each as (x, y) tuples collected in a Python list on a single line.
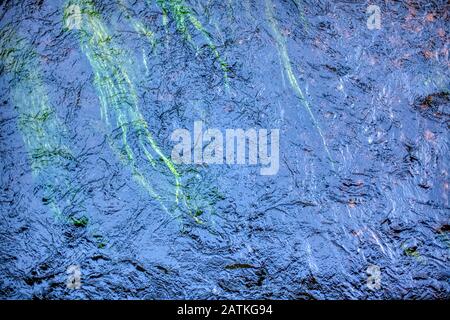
[(80, 222)]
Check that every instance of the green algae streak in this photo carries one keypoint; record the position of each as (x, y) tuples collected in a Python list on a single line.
[(120, 110), (44, 133), (287, 66), (183, 14)]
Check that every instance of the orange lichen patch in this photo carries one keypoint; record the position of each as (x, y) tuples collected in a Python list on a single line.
[(328, 115), (428, 54), (429, 136), (430, 17), (411, 11), (352, 203), (443, 228), (399, 61), (441, 32), (357, 233), (427, 102)]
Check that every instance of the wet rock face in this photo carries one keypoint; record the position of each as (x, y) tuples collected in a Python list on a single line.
[(92, 205)]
